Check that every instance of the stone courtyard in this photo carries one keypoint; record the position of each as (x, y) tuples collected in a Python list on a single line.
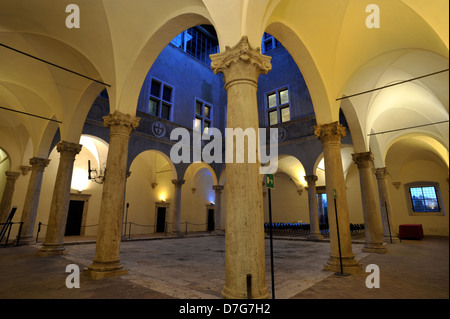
[(193, 268)]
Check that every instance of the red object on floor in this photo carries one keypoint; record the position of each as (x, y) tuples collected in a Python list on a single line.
[(411, 231)]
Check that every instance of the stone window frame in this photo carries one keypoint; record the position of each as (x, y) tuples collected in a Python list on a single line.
[(202, 116), (278, 107), (417, 184), (160, 100)]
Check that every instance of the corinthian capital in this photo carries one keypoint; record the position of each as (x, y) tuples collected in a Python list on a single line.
[(240, 62), (331, 132), (39, 163), (363, 160), (311, 179), (119, 121), (178, 182), (381, 172), (67, 147)]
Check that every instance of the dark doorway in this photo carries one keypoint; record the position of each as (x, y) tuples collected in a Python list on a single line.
[(161, 220), (74, 217), (211, 219)]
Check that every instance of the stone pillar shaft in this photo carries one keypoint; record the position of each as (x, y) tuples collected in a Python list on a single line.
[(8, 193), (390, 233), (374, 243), (320, 208), (54, 238), (31, 203), (218, 205), (314, 230), (244, 236), (330, 135), (177, 205), (106, 261)]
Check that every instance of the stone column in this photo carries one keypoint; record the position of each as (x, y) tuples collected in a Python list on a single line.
[(314, 230), (106, 262), (177, 205), (8, 193), (31, 203), (330, 134), (389, 225), (320, 208), (54, 238), (218, 205), (373, 232), (244, 220)]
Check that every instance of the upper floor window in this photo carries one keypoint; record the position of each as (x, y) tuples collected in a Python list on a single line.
[(199, 42), (104, 94), (161, 99), (269, 43), (277, 105), (424, 199), (203, 116)]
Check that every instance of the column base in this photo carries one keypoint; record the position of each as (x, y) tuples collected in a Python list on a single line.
[(177, 234), (349, 265), (314, 236), (377, 248), (228, 293), (100, 270), (52, 250), (387, 240), (25, 241)]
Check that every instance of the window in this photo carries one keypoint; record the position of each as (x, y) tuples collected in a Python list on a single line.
[(203, 116), (269, 43), (104, 94), (277, 103), (161, 99), (199, 42), (424, 198)]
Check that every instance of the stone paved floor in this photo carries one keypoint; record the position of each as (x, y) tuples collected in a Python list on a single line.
[(193, 268)]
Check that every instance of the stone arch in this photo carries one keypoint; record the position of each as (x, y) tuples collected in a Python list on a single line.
[(198, 169), (173, 25), (305, 62)]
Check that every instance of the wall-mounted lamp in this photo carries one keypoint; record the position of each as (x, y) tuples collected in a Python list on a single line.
[(98, 177), (79, 180)]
